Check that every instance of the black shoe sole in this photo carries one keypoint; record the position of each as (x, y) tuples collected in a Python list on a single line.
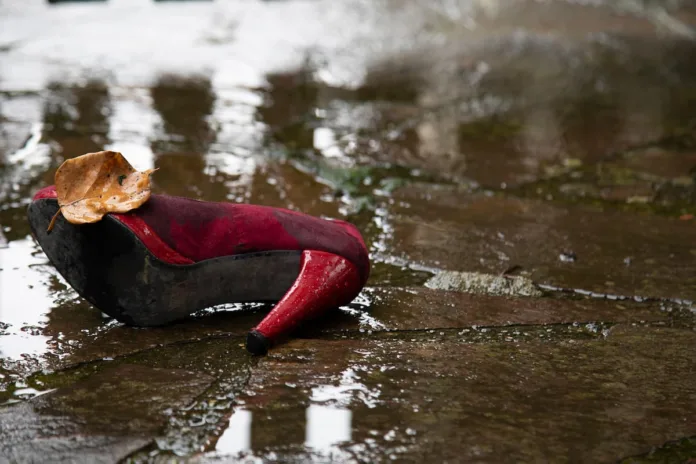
[(110, 267)]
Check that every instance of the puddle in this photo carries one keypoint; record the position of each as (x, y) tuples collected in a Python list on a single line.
[(322, 428), (326, 428), (349, 388), (236, 438), (25, 299)]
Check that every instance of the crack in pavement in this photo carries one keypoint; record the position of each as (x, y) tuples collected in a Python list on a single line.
[(613, 297)]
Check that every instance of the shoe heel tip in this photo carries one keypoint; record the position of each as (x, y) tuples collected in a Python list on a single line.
[(257, 344)]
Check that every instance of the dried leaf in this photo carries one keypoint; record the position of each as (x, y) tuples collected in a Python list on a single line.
[(92, 185)]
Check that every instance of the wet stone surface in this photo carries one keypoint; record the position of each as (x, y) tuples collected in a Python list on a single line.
[(413, 308), (600, 251), (541, 154), (411, 400), (103, 418)]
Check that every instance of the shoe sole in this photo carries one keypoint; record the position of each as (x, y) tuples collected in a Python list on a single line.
[(111, 268)]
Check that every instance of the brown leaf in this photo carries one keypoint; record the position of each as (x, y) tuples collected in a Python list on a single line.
[(92, 185)]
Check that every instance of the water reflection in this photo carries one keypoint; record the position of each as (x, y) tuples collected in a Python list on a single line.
[(20, 171), (18, 113), (348, 388), (237, 437), (322, 427), (76, 117), (73, 120), (289, 109), (74, 1), (35, 302), (234, 117), (24, 299), (326, 427), (132, 124), (326, 142), (183, 137), (184, 104)]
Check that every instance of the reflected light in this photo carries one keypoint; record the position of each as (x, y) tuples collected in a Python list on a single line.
[(326, 427), (324, 140), (132, 125), (138, 155), (24, 299), (237, 437)]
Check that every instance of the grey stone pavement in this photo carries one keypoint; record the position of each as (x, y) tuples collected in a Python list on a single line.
[(523, 172)]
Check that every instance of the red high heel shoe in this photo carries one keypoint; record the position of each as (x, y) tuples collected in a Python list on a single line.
[(174, 256)]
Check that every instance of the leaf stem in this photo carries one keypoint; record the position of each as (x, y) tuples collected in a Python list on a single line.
[(54, 219)]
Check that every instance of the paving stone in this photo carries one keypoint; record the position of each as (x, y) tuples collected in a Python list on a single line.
[(103, 418), (575, 247), (416, 308)]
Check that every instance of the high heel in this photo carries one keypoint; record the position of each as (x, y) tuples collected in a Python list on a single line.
[(325, 281)]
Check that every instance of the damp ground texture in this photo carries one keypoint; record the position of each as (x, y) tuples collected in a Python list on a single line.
[(524, 174)]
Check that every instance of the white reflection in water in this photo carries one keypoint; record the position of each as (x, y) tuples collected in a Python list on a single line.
[(138, 155), (233, 165), (232, 72), (326, 427), (324, 140), (24, 299), (328, 419), (235, 118), (348, 388), (237, 437), (34, 153), (131, 125)]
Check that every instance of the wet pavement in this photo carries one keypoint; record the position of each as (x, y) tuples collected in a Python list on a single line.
[(523, 173)]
